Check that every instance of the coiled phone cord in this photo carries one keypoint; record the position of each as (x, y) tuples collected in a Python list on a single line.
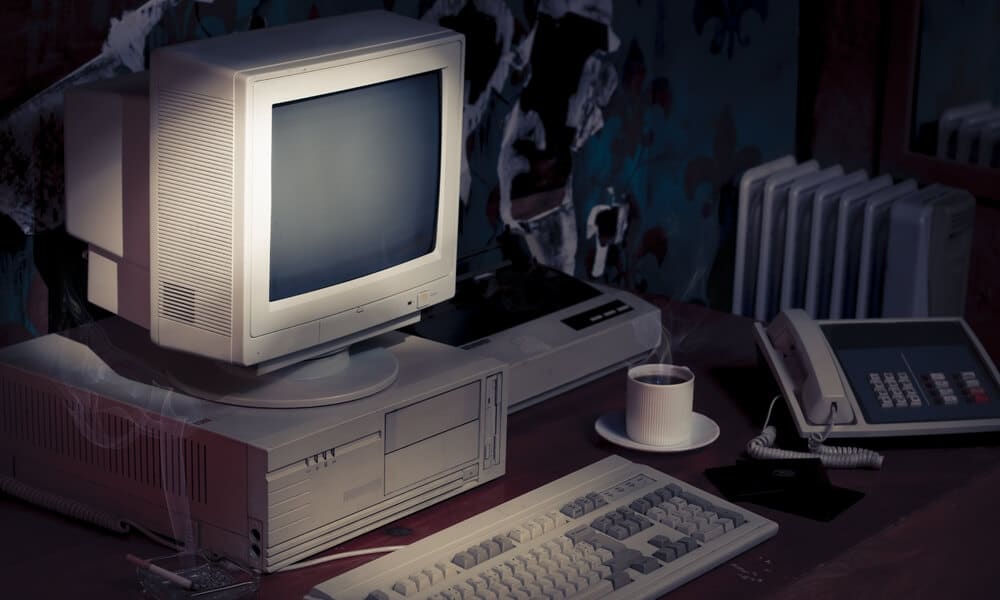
[(836, 457)]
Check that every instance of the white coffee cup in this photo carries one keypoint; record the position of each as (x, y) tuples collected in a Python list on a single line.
[(659, 404)]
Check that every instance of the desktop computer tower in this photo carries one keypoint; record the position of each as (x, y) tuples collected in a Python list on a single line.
[(90, 416)]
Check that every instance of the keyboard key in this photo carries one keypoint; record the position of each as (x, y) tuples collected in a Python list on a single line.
[(656, 513), (539, 554), (618, 532), (666, 553), (534, 529), (732, 515), (624, 558), (433, 575), (422, 580), (545, 584), (678, 548), (632, 526), (690, 543), (525, 577), (668, 507), (446, 569), (477, 584), (558, 578), (479, 553), (601, 524), (583, 533), (687, 527), (405, 587), (464, 560), (579, 582), (492, 548), (641, 505), (571, 510), (505, 543), (503, 571), (519, 534), (653, 498), (709, 534), (696, 500), (619, 579), (377, 595), (647, 565), (664, 493)]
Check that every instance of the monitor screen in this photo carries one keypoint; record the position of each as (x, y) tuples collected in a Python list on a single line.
[(354, 183)]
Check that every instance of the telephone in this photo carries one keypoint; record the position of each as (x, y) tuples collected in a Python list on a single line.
[(881, 377)]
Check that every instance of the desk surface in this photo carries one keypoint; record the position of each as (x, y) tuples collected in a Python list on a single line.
[(925, 528)]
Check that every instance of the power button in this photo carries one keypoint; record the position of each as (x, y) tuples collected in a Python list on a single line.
[(424, 298)]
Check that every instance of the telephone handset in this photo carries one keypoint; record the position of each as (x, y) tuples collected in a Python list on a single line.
[(808, 361), (810, 380)]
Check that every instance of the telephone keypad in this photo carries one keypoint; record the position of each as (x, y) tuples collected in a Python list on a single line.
[(927, 374), (895, 390)]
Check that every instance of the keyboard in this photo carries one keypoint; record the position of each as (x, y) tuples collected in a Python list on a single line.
[(613, 529)]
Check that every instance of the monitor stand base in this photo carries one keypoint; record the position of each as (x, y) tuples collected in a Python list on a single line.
[(340, 377)]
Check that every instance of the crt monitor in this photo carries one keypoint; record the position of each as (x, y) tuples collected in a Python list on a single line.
[(303, 197)]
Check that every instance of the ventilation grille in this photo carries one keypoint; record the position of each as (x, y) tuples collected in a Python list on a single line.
[(961, 222), (112, 444), (194, 190)]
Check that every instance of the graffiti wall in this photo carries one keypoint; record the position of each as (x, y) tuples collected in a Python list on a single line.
[(609, 135)]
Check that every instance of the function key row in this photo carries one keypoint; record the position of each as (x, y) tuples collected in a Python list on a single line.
[(583, 505), (537, 527)]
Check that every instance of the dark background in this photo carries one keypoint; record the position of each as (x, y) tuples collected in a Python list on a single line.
[(685, 96)]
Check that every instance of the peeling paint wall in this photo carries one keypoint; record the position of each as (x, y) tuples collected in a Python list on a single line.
[(609, 134)]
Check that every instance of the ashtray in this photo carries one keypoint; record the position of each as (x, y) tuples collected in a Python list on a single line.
[(212, 579)]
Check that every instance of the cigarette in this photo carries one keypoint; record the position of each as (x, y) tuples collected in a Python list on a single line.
[(170, 576)]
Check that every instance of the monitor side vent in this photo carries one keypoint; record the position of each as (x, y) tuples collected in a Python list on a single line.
[(114, 444), (193, 209)]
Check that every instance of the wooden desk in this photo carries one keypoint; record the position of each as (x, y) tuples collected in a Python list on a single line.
[(926, 527)]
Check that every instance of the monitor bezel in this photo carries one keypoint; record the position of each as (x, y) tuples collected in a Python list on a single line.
[(267, 90)]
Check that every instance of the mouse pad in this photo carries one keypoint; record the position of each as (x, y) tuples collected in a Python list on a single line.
[(798, 486)]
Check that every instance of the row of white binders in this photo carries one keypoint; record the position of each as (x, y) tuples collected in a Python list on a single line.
[(846, 245)]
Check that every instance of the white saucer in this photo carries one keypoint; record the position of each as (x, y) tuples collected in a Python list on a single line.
[(611, 426)]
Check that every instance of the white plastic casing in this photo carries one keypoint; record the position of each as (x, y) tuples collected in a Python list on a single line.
[(107, 189), (211, 103)]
